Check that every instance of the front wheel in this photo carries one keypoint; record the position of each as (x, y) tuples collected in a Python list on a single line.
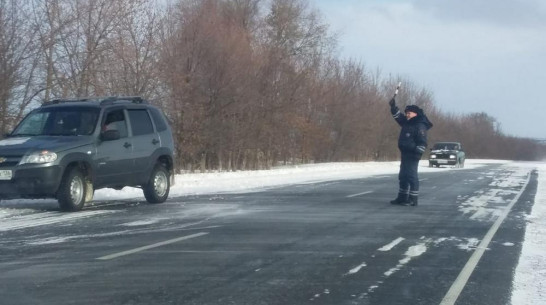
[(73, 191), (158, 186)]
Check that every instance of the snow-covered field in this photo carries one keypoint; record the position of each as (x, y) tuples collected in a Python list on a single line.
[(530, 276)]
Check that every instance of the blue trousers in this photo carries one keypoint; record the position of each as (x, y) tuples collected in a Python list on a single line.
[(408, 177)]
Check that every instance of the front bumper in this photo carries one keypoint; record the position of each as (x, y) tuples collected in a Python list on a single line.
[(442, 161), (35, 182)]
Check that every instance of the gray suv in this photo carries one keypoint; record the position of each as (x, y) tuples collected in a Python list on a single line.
[(66, 149)]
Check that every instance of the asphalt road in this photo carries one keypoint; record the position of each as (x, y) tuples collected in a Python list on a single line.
[(338, 242)]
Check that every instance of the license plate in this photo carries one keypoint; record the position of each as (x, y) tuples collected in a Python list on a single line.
[(5, 174), (442, 161)]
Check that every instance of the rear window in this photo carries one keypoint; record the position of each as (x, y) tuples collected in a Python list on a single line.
[(159, 119)]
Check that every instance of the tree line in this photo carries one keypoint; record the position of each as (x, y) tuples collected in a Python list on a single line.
[(246, 84)]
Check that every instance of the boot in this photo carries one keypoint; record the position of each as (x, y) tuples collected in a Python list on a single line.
[(401, 199), (413, 200)]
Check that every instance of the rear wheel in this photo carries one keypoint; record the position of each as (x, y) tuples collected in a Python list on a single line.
[(158, 186), (73, 191)]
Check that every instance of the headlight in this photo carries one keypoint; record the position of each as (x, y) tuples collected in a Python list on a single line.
[(452, 156), (43, 156), (433, 156)]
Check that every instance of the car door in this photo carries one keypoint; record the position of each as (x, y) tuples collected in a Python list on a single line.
[(114, 157), (145, 141)]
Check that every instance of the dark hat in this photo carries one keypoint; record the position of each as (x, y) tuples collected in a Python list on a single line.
[(414, 109)]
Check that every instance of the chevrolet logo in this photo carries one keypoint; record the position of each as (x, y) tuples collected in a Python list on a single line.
[(2, 159)]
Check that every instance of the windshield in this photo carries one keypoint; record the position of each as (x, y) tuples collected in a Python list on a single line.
[(60, 121), (445, 146)]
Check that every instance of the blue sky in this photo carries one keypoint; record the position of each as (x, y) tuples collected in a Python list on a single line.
[(474, 55)]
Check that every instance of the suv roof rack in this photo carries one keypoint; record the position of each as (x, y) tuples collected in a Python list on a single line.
[(132, 99), (101, 100)]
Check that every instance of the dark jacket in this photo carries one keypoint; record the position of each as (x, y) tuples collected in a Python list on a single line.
[(412, 141)]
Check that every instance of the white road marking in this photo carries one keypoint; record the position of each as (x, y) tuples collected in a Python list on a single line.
[(363, 193), (457, 286), (140, 249), (356, 269), (391, 245)]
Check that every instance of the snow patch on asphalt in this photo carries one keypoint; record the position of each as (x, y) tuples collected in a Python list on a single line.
[(411, 253), (470, 245), (318, 295), (19, 221), (490, 205), (140, 223), (49, 241)]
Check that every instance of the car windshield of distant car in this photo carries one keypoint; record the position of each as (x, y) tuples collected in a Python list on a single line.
[(61, 121), (445, 146)]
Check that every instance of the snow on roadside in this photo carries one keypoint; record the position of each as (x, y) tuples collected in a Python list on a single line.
[(246, 181), (243, 181), (529, 284)]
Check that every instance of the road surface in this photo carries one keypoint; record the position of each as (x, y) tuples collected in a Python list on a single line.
[(337, 242)]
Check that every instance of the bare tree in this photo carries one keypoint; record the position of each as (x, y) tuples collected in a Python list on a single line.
[(75, 38), (18, 63), (130, 64)]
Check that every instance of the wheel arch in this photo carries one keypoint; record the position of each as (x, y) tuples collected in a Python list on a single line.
[(80, 160), (165, 158)]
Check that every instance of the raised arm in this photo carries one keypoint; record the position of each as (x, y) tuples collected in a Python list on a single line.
[(398, 116)]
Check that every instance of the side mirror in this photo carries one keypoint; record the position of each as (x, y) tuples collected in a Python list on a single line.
[(110, 135)]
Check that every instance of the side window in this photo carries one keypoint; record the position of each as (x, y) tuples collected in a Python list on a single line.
[(159, 119), (140, 122), (115, 120)]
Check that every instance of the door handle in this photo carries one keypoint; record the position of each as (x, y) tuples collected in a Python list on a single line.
[(127, 145), (155, 141)]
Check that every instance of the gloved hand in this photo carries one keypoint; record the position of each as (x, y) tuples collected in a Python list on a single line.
[(392, 102)]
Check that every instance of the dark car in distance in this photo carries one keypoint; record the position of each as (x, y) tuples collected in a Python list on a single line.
[(66, 149), (447, 153)]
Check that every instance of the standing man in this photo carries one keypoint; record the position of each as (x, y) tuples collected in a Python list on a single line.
[(412, 143)]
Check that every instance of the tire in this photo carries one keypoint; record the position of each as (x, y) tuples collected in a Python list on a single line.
[(462, 163), (73, 191), (158, 186)]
